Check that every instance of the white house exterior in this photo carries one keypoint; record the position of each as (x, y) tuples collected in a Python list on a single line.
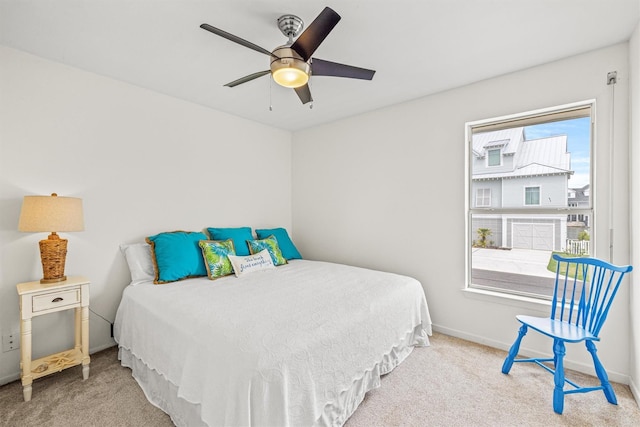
[(579, 198), (509, 172)]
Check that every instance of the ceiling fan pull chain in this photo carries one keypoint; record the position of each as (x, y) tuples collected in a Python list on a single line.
[(270, 104)]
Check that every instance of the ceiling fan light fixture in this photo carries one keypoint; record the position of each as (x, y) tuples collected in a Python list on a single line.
[(288, 69), (290, 77)]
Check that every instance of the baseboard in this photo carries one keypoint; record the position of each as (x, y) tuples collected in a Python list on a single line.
[(9, 378), (102, 347), (635, 391), (472, 337), (16, 375), (528, 352)]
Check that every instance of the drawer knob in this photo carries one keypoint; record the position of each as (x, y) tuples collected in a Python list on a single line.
[(58, 299)]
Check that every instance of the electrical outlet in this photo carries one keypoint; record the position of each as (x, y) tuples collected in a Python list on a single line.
[(10, 342)]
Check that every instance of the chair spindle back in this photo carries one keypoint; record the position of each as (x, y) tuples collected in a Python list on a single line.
[(584, 290)]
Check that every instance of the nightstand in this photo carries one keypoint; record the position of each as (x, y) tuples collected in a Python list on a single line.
[(37, 299)]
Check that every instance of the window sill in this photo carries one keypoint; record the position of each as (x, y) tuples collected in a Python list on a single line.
[(512, 300)]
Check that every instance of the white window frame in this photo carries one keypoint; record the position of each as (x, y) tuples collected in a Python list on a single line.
[(499, 150), (561, 112), (484, 196), (539, 195)]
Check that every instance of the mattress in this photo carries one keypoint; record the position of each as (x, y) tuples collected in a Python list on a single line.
[(299, 345)]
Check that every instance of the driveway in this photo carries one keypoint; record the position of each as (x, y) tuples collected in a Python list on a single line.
[(518, 261), (516, 270)]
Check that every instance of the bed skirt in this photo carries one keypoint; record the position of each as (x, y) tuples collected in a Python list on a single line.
[(164, 394), (161, 392)]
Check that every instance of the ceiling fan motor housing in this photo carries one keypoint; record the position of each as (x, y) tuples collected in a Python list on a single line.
[(288, 68), (290, 25)]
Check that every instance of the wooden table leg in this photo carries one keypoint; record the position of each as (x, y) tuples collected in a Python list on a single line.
[(85, 342), (78, 328), (25, 358)]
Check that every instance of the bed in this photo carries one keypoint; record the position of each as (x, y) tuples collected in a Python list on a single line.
[(296, 345)]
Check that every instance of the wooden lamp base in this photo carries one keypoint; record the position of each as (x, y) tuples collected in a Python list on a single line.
[(53, 253)]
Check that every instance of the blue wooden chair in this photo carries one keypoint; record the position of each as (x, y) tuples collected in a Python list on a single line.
[(583, 293)]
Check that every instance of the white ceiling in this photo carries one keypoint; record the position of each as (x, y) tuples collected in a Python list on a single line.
[(418, 47)]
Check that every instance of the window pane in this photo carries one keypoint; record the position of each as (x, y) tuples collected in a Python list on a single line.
[(483, 197), (532, 196), (493, 157), (545, 170)]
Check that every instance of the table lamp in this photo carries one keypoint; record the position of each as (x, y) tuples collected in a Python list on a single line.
[(51, 214)]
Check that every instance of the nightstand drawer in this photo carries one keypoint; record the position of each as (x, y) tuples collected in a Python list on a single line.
[(56, 300)]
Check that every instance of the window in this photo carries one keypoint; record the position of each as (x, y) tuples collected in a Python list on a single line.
[(531, 196), (493, 157), (483, 197), (539, 197)]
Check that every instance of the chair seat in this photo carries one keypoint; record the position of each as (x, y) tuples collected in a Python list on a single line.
[(583, 291), (557, 329)]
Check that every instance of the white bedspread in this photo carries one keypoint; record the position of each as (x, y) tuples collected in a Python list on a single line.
[(294, 346)]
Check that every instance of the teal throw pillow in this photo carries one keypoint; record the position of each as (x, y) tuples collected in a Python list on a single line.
[(239, 235), (270, 244), (289, 250), (216, 257), (176, 256)]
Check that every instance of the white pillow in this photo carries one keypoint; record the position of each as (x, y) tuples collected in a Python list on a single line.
[(250, 263), (138, 256)]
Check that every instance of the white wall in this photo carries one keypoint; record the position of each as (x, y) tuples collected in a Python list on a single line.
[(142, 163), (386, 190), (382, 190), (634, 166)]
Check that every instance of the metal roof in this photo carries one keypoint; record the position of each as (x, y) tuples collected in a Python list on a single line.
[(509, 138), (536, 157)]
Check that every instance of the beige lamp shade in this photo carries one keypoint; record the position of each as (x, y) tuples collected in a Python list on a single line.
[(52, 214)]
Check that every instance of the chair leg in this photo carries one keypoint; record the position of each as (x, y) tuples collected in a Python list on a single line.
[(558, 391), (513, 351), (602, 374)]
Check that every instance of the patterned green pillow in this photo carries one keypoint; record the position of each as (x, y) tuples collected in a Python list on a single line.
[(216, 257), (270, 244)]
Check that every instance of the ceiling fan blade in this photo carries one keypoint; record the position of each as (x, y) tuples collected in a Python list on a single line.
[(235, 39), (248, 78), (320, 67), (304, 94), (315, 33)]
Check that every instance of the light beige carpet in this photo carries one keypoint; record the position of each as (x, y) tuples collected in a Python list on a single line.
[(451, 383)]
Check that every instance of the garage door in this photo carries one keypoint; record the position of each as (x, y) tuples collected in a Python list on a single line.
[(533, 236)]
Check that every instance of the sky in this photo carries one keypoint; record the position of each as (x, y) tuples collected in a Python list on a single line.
[(578, 144)]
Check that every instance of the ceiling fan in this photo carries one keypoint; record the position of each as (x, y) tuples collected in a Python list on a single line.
[(292, 64)]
